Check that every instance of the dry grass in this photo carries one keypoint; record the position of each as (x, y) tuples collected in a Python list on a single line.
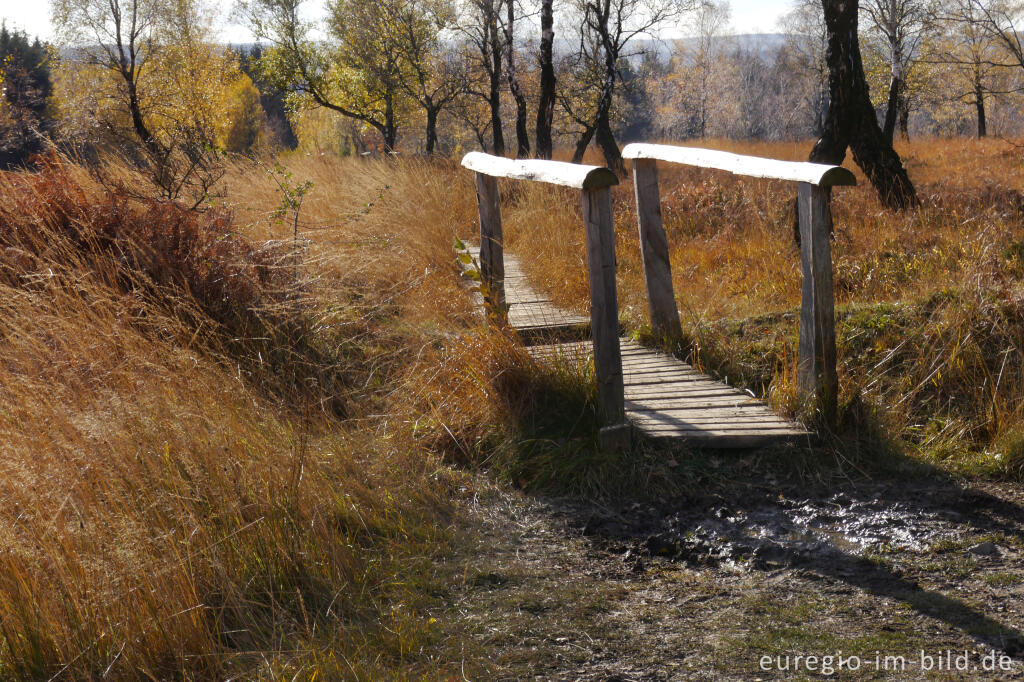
[(226, 453), (944, 379), (172, 506)]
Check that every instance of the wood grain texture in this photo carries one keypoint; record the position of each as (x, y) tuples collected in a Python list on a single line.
[(604, 305), (661, 297), (530, 312), (753, 166), (573, 175), (492, 258), (678, 402), (662, 397), (816, 366)]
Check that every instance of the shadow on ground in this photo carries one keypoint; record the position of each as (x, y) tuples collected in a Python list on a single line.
[(913, 543)]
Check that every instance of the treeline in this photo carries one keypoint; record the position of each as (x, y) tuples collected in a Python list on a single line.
[(26, 85), (148, 79)]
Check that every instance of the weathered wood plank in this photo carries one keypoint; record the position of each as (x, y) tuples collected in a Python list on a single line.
[(604, 307), (661, 297), (753, 166), (530, 313), (816, 367), (573, 175), (702, 421), (665, 398), (706, 429), (492, 258)]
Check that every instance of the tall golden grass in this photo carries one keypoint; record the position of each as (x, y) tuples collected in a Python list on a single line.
[(225, 451), (929, 299), (171, 506)]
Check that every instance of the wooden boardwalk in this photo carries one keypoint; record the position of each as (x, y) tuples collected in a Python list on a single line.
[(665, 397)]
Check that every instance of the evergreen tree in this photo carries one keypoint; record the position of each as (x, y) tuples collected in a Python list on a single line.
[(25, 86)]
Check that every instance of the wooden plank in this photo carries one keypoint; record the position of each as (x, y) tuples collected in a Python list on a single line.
[(648, 426), (698, 420), (573, 175), (738, 401), (604, 307), (722, 440), (666, 398), (663, 397), (816, 367), (492, 258), (818, 174), (661, 297), (706, 428), (530, 313)]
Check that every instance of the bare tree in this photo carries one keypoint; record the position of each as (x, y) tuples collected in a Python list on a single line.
[(481, 25), (804, 57), (433, 76), (1000, 19), (511, 74), (116, 35), (607, 27), (710, 21), (972, 56), (850, 120), (546, 105), (901, 24)]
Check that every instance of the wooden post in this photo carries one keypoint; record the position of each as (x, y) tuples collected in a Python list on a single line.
[(492, 255), (604, 317), (816, 371), (654, 248)]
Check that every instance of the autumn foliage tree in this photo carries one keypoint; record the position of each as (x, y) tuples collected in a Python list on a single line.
[(148, 77), (379, 61)]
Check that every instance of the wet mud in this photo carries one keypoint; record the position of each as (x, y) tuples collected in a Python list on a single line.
[(701, 587)]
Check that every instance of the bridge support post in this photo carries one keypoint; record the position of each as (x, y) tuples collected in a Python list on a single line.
[(604, 317), (492, 255), (816, 368), (654, 249)]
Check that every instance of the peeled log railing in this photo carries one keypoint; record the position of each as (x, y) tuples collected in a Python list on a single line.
[(816, 366), (593, 183), (816, 372)]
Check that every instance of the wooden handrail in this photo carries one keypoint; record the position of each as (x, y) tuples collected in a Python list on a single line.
[(593, 183), (816, 366), (572, 175), (821, 175)]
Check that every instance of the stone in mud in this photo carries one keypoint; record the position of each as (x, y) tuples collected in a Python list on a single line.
[(984, 549), (770, 555)]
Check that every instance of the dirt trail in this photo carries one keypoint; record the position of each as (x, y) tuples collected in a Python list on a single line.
[(703, 588)]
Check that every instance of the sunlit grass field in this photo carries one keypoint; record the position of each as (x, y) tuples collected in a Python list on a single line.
[(231, 448)]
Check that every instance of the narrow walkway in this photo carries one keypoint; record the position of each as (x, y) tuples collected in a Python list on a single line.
[(666, 398)]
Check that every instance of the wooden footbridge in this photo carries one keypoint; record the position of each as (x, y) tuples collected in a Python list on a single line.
[(640, 388)]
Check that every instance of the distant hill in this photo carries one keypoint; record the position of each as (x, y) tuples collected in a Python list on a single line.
[(765, 45)]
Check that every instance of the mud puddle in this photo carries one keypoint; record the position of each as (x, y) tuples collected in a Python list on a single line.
[(765, 529), (705, 587)]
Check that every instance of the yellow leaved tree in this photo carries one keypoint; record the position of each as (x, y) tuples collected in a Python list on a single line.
[(148, 76)]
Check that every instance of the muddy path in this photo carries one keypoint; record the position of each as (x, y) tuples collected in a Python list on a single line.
[(880, 581)]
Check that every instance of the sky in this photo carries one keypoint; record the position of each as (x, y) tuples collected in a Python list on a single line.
[(33, 16)]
